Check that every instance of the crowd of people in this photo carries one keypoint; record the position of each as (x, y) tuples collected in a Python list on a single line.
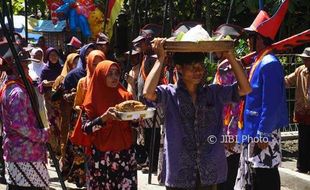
[(219, 136)]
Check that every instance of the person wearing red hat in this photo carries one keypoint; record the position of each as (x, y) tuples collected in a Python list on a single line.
[(300, 79), (73, 45), (75, 42), (264, 110)]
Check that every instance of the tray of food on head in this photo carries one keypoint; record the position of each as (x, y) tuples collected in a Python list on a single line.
[(197, 39), (132, 110), (199, 46)]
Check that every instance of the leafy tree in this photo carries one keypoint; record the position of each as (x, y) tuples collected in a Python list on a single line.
[(243, 13), (211, 13), (34, 6)]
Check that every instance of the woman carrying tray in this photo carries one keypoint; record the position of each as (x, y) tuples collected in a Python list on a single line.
[(195, 157), (112, 162)]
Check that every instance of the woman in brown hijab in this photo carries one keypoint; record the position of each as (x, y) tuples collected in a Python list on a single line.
[(70, 64), (66, 104), (93, 59), (73, 163)]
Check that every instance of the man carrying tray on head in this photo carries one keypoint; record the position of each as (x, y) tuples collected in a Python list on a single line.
[(195, 157)]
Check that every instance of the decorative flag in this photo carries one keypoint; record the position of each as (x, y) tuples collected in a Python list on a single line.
[(114, 9), (52, 6)]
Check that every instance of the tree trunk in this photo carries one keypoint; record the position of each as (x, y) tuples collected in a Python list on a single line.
[(208, 16), (198, 10)]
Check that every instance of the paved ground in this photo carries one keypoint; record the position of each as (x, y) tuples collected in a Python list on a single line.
[(143, 180), (292, 179)]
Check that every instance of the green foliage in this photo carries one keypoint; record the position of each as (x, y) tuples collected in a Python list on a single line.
[(211, 68), (33, 7), (243, 13), (18, 6), (242, 48), (290, 62)]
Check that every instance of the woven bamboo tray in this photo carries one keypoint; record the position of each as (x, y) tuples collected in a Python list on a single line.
[(200, 46)]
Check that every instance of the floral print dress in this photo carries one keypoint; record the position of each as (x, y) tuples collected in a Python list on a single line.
[(73, 164), (109, 170)]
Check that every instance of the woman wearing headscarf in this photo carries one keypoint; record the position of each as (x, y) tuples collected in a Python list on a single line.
[(66, 105), (73, 162), (23, 142), (93, 59), (76, 74), (70, 64), (35, 69), (50, 72), (36, 66), (112, 163)]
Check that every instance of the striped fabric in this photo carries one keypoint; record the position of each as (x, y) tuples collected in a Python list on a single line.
[(27, 174), (148, 123)]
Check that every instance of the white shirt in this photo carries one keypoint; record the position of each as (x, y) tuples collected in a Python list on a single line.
[(35, 70)]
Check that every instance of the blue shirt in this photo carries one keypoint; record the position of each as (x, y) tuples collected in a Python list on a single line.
[(265, 107), (190, 128)]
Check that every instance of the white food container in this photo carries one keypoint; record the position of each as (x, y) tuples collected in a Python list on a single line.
[(144, 114)]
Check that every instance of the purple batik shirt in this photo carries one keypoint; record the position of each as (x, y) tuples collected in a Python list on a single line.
[(23, 141), (194, 132)]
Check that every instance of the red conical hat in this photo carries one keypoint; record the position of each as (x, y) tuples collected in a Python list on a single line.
[(75, 42), (268, 27), (260, 18)]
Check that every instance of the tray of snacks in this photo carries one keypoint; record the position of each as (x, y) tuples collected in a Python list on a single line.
[(197, 39), (199, 46), (132, 110)]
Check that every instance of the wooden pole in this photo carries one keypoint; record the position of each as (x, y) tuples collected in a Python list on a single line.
[(10, 9), (106, 15), (164, 32), (133, 18), (146, 20), (261, 4), (229, 12), (152, 148), (26, 21), (208, 16), (8, 12)]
